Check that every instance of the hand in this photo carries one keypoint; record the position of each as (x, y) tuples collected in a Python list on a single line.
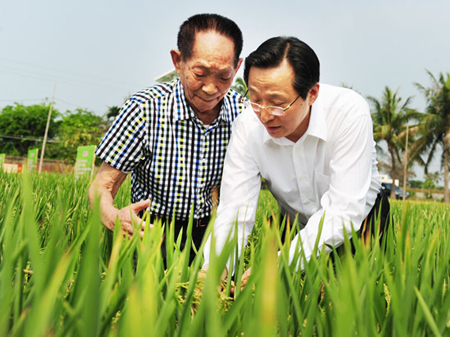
[(127, 216), (222, 277), (244, 279), (104, 187)]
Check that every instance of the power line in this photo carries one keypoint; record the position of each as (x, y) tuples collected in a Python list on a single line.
[(21, 100), (70, 81), (35, 72), (34, 139)]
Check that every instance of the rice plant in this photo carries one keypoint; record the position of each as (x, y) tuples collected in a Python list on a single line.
[(63, 274)]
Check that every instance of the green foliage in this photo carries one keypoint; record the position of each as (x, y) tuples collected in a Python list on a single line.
[(240, 86), (63, 274), (77, 128), (416, 183), (431, 179), (23, 127), (113, 112)]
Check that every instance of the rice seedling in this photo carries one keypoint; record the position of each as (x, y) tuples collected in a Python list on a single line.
[(63, 274)]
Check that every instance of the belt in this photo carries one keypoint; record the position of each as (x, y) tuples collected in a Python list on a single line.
[(202, 222)]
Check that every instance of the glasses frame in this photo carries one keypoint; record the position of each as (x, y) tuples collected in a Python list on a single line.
[(270, 108)]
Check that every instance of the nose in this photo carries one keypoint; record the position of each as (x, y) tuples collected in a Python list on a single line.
[(210, 88), (266, 116)]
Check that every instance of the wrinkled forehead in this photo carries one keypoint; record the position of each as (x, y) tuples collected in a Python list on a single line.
[(212, 49)]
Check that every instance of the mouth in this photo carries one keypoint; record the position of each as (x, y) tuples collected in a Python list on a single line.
[(208, 100), (272, 128)]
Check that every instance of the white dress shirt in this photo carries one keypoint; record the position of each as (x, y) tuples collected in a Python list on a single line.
[(331, 170)]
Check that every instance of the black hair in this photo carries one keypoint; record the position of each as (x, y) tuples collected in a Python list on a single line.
[(300, 56), (205, 22)]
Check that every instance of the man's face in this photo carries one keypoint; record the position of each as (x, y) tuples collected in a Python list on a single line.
[(209, 72), (273, 87)]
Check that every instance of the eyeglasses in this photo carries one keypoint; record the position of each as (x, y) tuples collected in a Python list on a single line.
[(273, 110)]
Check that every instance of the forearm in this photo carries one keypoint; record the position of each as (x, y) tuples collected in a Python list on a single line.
[(104, 188)]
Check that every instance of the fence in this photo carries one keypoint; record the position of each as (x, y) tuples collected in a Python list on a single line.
[(48, 165)]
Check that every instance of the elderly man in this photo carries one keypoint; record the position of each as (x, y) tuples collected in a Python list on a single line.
[(172, 137), (313, 145)]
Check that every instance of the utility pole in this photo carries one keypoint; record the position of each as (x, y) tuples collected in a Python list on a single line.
[(405, 165), (46, 128)]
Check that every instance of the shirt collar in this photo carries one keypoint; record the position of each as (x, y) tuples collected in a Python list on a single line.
[(317, 123), (317, 127), (184, 111)]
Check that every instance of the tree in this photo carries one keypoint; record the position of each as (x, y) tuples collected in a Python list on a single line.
[(113, 112), (431, 180), (390, 116), (78, 128), (23, 127), (240, 86), (436, 124)]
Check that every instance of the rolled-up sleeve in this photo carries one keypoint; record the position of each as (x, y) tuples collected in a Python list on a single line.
[(122, 146)]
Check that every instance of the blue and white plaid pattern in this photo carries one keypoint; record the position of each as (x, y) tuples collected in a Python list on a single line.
[(175, 160)]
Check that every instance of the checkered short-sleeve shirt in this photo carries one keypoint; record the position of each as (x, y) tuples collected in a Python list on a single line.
[(174, 160)]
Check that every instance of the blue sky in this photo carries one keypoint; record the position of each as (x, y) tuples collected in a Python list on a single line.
[(100, 51)]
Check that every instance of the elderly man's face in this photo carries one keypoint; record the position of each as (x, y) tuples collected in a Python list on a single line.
[(274, 87), (208, 74)]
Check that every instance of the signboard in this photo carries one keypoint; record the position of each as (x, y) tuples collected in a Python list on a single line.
[(32, 160), (85, 161), (12, 168), (2, 160)]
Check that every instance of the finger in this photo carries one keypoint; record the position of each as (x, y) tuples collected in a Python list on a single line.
[(127, 229), (150, 226), (126, 234), (224, 274), (140, 205), (142, 231)]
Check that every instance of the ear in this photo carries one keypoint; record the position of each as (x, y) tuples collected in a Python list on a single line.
[(176, 59), (313, 93)]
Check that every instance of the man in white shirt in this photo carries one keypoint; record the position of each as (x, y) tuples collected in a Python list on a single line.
[(313, 145)]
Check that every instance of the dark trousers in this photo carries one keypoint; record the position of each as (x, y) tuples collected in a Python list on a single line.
[(380, 213), (198, 231)]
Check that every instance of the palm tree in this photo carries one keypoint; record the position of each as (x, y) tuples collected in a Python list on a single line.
[(113, 112), (436, 125), (390, 116)]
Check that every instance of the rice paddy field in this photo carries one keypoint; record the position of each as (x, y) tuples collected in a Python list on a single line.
[(63, 274)]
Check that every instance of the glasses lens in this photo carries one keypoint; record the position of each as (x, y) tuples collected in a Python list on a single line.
[(256, 107), (277, 112)]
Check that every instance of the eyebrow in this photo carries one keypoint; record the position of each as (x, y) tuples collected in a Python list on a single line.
[(270, 95), (220, 70)]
